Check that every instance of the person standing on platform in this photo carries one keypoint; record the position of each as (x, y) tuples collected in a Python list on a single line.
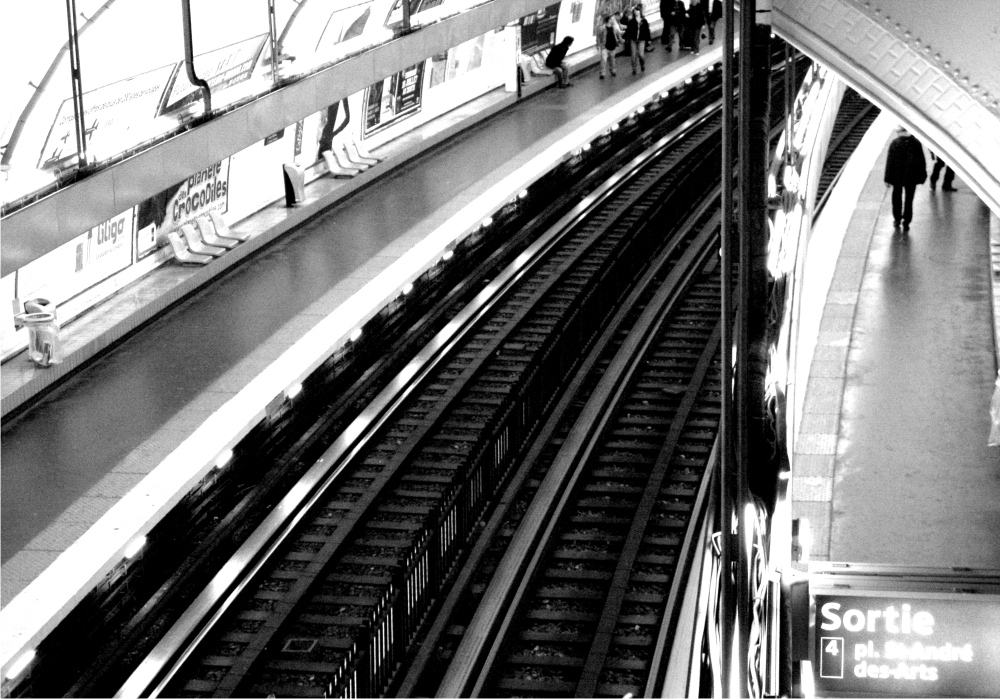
[(714, 15), (608, 39), (637, 34), (947, 185), (696, 20), (905, 168), (556, 60), (667, 15)]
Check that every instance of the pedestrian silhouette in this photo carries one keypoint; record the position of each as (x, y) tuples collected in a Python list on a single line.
[(905, 168)]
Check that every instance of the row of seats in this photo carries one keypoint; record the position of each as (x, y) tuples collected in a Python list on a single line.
[(202, 240), (347, 159), (208, 236)]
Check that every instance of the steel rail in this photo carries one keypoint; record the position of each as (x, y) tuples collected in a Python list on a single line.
[(480, 645), (408, 685), (153, 674)]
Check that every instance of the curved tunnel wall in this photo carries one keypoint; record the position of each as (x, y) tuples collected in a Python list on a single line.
[(933, 89)]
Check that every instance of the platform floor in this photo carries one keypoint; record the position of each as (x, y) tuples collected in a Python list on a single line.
[(894, 467), (67, 460)]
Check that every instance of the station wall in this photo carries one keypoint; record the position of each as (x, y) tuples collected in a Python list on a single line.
[(99, 262)]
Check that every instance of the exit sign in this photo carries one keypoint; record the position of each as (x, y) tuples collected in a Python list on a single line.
[(905, 634)]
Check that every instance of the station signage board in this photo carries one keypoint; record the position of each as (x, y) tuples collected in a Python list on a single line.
[(906, 636)]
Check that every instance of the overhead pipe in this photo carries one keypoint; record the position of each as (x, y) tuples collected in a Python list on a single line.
[(189, 57)]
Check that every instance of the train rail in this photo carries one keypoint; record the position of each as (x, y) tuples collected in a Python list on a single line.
[(337, 587), (597, 539), (391, 517)]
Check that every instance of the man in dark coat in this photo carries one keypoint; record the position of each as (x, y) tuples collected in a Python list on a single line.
[(905, 168), (695, 21), (556, 60), (667, 14), (714, 15)]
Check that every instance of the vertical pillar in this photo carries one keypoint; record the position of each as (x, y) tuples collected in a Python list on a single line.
[(272, 30), (761, 464), (75, 77), (753, 444), (726, 477)]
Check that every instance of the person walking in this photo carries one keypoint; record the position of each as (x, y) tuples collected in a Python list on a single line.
[(714, 15), (947, 185), (637, 34), (905, 168), (608, 38), (556, 60)]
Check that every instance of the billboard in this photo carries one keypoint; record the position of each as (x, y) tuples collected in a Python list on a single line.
[(394, 98), (204, 191), (221, 69), (86, 260), (109, 113)]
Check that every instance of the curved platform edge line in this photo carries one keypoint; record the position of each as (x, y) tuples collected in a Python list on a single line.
[(856, 199)]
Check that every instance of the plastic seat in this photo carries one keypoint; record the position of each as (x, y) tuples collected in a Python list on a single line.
[(335, 168), (223, 231), (362, 151), (195, 243), (343, 156), (207, 231), (182, 254), (355, 155)]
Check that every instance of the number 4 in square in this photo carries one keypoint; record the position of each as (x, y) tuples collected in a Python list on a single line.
[(831, 659)]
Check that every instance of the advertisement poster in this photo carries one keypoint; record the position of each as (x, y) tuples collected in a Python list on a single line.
[(206, 190), (221, 68), (82, 262), (109, 113), (392, 99), (538, 31)]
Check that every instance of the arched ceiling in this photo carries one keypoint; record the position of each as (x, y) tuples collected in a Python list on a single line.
[(935, 65)]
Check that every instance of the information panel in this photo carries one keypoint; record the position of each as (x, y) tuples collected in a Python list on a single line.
[(916, 640)]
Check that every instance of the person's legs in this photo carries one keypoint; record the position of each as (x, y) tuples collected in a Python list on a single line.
[(604, 62), (897, 204), (908, 190), (711, 32), (938, 164), (642, 54), (949, 179), (560, 75), (565, 74), (636, 52)]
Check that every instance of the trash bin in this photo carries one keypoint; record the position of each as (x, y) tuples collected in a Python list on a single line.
[(43, 331)]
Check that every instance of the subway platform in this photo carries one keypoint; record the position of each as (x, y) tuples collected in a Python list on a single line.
[(891, 464)]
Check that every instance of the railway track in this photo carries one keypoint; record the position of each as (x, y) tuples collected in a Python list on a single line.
[(335, 590), (344, 591), (854, 117), (575, 592), (113, 628), (339, 599)]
